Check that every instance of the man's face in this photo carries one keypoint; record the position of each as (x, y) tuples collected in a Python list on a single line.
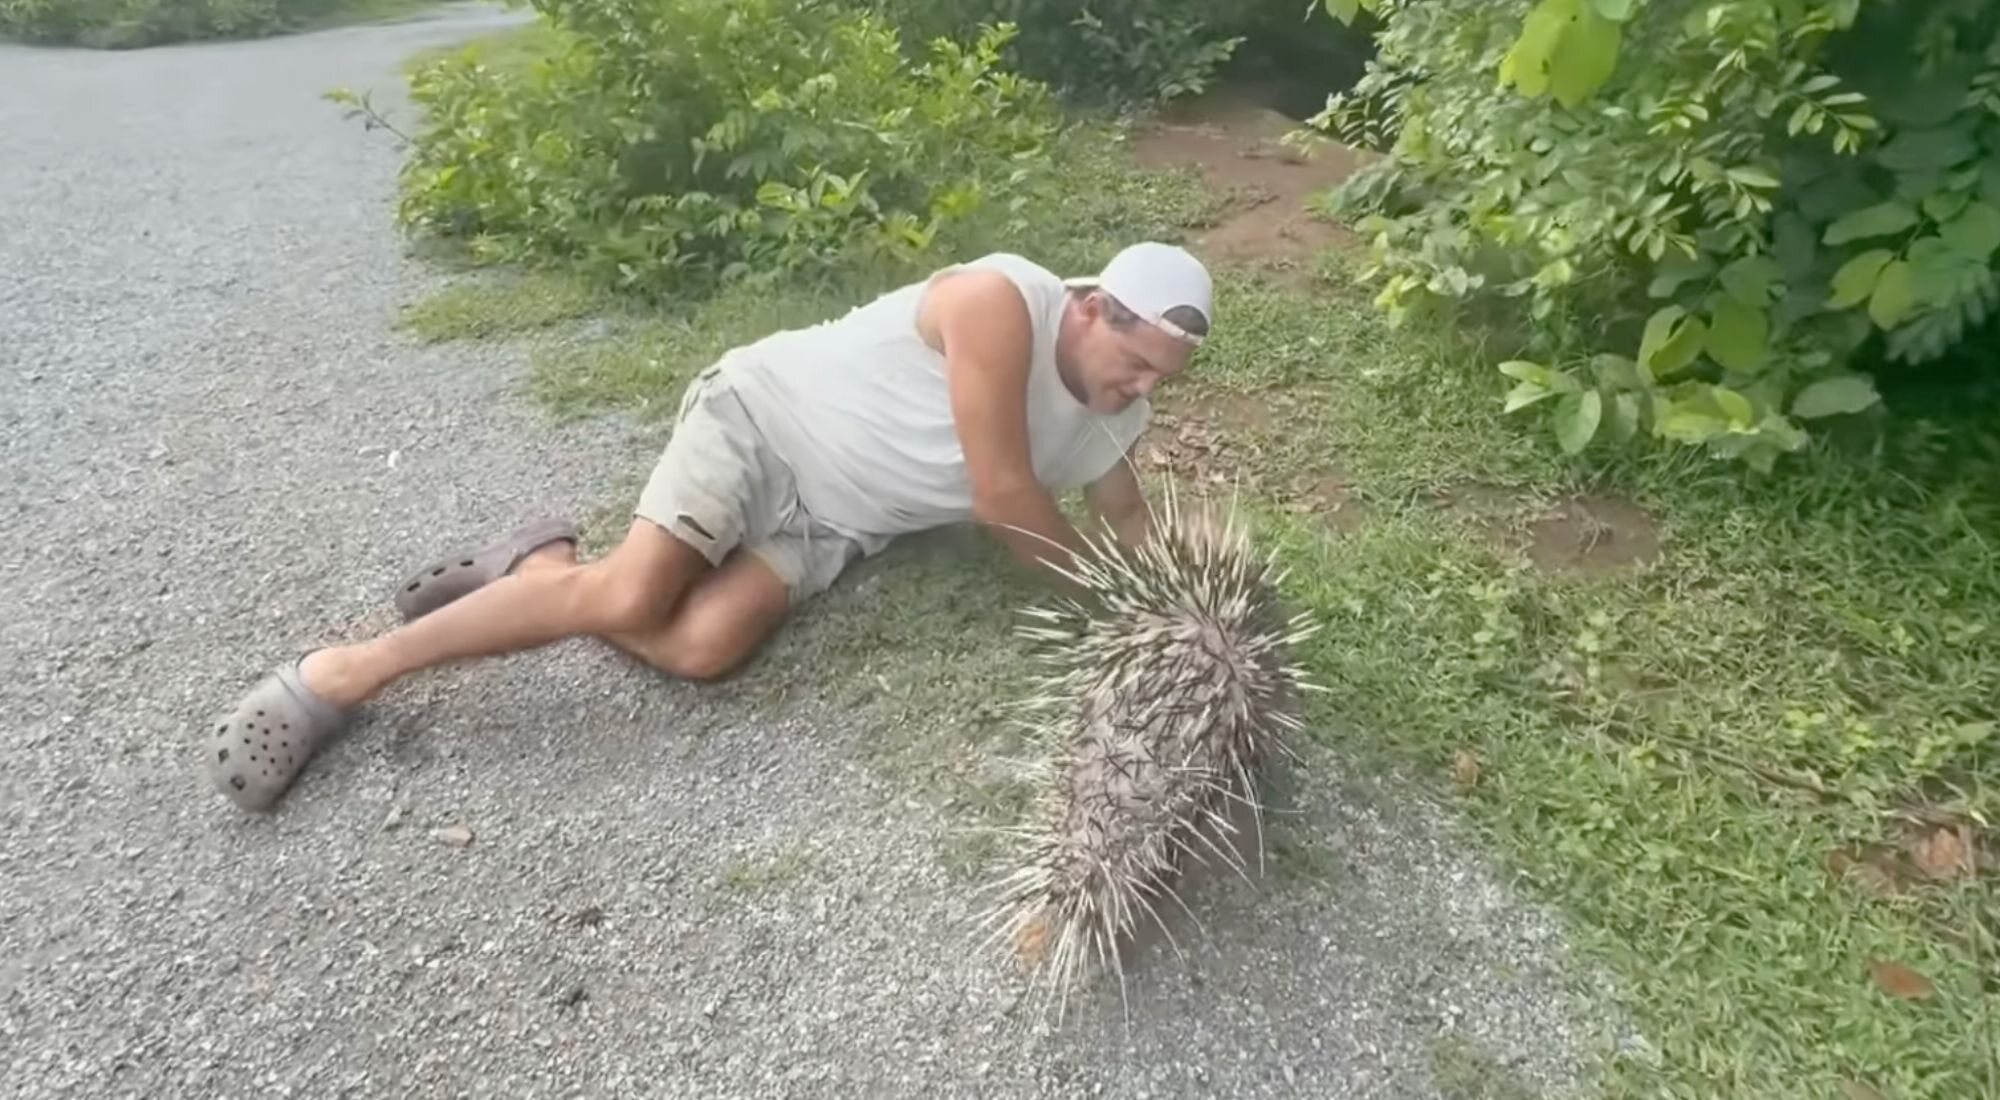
[(1117, 366)]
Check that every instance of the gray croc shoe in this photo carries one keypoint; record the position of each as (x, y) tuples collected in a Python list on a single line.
[(253, 754), (445, 580)]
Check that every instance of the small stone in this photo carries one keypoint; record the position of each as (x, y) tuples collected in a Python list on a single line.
[(393, 820), (458, 836)]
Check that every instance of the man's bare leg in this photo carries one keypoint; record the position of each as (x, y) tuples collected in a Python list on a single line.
[(632, 591), (721, 621)]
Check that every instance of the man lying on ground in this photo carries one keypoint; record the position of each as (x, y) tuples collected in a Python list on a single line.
[(981, 393)]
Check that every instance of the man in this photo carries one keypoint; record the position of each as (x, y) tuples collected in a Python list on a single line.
[(978, 394)]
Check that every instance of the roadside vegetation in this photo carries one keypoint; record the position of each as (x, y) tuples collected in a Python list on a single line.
[(129, 24), (1719, 683)]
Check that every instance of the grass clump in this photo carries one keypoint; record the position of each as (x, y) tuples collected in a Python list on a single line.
[(508, 306)]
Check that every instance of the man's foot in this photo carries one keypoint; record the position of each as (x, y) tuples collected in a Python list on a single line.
[(448, 579), (253, 754)]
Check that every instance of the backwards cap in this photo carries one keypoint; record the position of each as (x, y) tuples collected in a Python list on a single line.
[(1152, 278)]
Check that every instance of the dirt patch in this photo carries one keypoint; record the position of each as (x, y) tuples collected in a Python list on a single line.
[(1214, 444), (1237, 145), (1207, 440), (1333, 499), (1493, 509), (1593, 534)]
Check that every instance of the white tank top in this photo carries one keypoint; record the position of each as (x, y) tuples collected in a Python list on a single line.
[(860, 410)]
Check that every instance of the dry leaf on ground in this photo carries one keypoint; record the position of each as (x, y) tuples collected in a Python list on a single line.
[(1944, 854), (1873, 872), (1900, 981), (1465, 768)]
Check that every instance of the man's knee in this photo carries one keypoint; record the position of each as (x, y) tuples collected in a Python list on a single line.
[(695, 656), (637, 586)]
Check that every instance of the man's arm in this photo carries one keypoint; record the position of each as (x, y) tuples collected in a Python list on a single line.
[(1120, 504), (980, 323)]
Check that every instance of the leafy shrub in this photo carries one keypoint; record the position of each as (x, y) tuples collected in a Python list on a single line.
[(1724, 212), (668, 143), (1128, 51), (127, 23)]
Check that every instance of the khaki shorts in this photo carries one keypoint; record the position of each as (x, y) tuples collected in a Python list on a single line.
[(718, 487)]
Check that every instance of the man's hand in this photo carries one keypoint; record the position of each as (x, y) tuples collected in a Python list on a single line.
[(980, 323)]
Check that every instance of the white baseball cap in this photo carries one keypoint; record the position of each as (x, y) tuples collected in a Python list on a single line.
[(1151, 278)]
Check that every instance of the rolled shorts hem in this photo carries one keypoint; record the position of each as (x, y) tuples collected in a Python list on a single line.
[(717, 488)]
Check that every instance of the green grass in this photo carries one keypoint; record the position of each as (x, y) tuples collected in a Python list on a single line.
[(1673, 752), (509, 305)]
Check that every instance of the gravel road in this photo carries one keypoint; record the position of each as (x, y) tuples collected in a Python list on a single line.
[(219, 450)]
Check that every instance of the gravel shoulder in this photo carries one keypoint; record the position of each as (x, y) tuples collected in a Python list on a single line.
[(220, 451)]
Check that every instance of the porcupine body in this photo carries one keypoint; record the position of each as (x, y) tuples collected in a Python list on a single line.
[(1163, 696)]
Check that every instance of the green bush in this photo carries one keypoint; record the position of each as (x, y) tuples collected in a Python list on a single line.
[(1730, 216), (666, 144), (1121, 51), (129, 23)]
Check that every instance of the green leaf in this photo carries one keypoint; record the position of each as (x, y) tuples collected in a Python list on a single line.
[(1749, 279), (1800, 116), (1528, 371), (1942, 206), (1975, 233), (1928, 150), (1738, 336), (1344, 10), (1846, 393), (1894, 294), (1734, 405), (1671, 341), (1677, 269), (1525, 394), (1691, 422), (1753, 177), (1577, 419), (1937, 271), (1871, 221), (1914, 187), (1585, 56), (1526, 65), (1856, 279)]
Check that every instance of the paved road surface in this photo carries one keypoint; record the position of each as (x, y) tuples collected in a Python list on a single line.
[(218, 450)]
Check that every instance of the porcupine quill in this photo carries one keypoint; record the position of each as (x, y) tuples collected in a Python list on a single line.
[(1159, 706)]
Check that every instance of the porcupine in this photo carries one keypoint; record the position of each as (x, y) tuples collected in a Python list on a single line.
[(1163, 694)]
